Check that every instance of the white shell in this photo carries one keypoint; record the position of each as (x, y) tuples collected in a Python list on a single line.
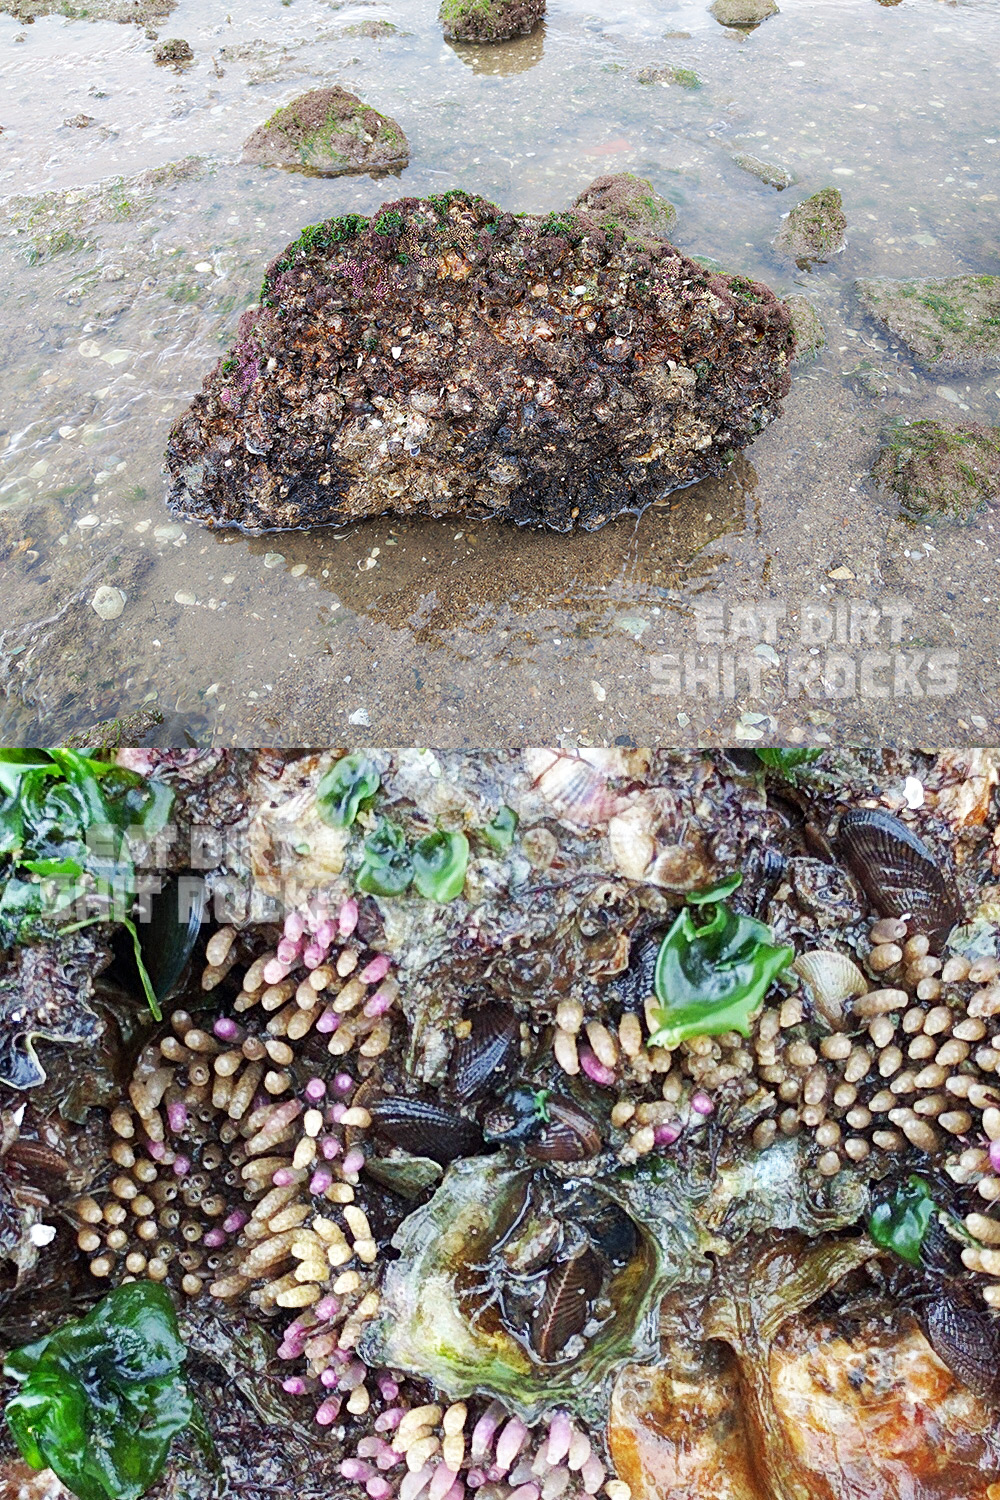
[(573, 788), (833, 978)]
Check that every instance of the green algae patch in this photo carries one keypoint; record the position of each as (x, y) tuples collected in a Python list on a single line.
[(329, 131), (814, 229), (489, 20), (938, 472), (952, 323), (746, 13)]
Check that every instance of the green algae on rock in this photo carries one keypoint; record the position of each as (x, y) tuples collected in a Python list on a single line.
[(624, 201), (743, 12), (810, 335), (952, 323), (328, 131), (941, 472), (139, 12), (489, 20), (447, 356), (814, 229)]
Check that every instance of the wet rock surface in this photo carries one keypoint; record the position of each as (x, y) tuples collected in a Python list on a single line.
[(810, 335), (446, 356), (489, 20), (139, 12), (815, 229), (176, 50), (624, 201), (743, 12), (329, 131), (954, 322), (940, 472), (768, 172)]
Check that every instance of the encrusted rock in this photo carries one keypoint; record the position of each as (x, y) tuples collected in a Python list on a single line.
[(810, 335), (446, 356), (940, 472), (624, 201), (814, 230), (175, 50), (743, 12), (951, 323), (329, 131), (489, 20)]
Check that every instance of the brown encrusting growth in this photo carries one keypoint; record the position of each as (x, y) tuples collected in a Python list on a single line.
[(446, 356), (330, 131), (489, 20)]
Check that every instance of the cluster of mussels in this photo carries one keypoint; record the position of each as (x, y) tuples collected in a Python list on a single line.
[(248, 1166)]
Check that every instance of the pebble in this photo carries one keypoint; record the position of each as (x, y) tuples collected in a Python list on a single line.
[(273, 559), (108, 602), (168, 533), (184, 598)]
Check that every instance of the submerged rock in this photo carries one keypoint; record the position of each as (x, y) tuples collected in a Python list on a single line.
[(489, 20), (774, 176), (953, 322), (330, 131), (814, 230), (810, 335), (446, 356), (940, 472), (743, 12), (624, 201)]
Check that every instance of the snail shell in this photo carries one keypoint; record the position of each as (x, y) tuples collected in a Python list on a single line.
[(832, 978)]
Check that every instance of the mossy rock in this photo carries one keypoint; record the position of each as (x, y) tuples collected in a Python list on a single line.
[(685, 78), (938, 472), (146, 13), (743, 12), (489, 20), (774, 176), (328, 131), (814, 229), (112, 734), (175, 50), (810, 335), (623, 201), (953, 323)]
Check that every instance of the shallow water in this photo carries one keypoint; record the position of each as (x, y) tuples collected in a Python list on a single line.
[(117, 296)]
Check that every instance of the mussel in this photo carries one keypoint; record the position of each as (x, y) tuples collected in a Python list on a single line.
[(546, 1126), (965, 1334), (562, 1313), (484, 1058), (897, 872), (422, 1128)]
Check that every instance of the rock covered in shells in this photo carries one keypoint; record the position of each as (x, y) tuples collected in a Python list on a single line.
[(489, 20), (330, 131), (446, 356)]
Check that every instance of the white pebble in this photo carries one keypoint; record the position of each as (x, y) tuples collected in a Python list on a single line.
[(108, 602)]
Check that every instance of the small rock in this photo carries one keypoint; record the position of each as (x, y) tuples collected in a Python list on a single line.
[(176, 50), (810, 335), (939, 472), (815, 229), (112, 734), (359, 716), (776, 177), (841, 575), (685, 77), (80, 122), (628, 202), (329, 131), (743, 12), (489, 20), (108, 602), (951, 323), (870, 379), (183, 597)]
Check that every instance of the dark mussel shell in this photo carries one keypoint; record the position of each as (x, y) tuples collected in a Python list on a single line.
[(549, 1127), (167, 939), (424, 1129), (898, 873), (965, 1334), (563, 1310), (486, 1056)]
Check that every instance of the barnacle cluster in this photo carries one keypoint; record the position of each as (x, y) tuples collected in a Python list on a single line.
[(433, 1178)]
